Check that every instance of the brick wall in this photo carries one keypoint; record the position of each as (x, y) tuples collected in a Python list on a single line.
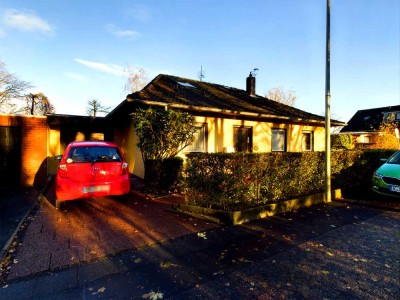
[(33, 147)]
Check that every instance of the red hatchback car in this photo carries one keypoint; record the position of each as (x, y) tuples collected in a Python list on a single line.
[(89, 169)]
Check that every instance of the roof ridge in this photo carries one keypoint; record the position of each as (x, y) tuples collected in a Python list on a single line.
[(380, 108)]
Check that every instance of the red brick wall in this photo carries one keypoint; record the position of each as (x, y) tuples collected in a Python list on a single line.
[(33, 147)]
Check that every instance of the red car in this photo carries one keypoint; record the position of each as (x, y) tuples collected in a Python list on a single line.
[(89, 169)]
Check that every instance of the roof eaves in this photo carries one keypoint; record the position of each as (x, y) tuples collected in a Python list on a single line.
[(359, 132), (225, 111)]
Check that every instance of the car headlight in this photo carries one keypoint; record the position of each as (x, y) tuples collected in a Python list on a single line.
[(378, 175)]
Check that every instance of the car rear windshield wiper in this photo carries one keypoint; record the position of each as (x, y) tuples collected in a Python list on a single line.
[(100, 158)]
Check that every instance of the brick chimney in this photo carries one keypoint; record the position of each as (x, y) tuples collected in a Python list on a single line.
[(251, 85)]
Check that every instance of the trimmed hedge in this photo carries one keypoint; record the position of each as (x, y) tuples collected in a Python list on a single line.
[(235, 181), (355, 167)]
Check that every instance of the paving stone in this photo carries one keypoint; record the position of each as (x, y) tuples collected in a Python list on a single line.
[(55, 282), (266, 259)]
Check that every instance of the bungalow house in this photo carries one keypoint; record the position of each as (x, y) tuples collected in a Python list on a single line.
[(228, 119), (365, 125)]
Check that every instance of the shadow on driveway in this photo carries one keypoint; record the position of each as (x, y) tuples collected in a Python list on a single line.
[(90, 229), (363, 195)]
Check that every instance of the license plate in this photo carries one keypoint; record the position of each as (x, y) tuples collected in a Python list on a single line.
[(394, 188), (96, 188)]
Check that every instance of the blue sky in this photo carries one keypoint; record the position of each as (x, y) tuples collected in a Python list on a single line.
[(75, 51)]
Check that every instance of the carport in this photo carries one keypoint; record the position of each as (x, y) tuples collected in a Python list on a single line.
[(28, 144)]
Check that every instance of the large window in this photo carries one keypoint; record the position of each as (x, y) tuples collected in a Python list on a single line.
[(243, 139), (199, 143), (278, 140), (307, 141)]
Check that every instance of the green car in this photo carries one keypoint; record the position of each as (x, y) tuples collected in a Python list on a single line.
[(386, 179)]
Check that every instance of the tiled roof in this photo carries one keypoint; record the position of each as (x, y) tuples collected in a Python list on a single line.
[(200, 95), (368, 120)]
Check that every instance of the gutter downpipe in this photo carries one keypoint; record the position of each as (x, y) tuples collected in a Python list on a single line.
[(327, 108)]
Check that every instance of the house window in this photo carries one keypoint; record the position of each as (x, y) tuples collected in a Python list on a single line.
[(307, 141), (243, 139), (365, 139), (278, 140), (199, 143)]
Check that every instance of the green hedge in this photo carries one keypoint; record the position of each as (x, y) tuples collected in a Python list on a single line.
[(234, 181)]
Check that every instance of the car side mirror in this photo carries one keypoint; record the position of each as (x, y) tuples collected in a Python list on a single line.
[(58, 157)]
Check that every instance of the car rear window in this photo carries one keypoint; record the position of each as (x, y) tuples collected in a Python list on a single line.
[(94, 154)]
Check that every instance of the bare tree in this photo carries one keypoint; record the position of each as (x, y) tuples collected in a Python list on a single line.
[(94, 107), (11, 88), (38, 104), (136, 80), (281, 95)]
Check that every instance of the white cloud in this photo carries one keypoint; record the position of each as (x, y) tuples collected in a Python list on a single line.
[(131, 34), (102, 67), (25, 21), (76, 76)]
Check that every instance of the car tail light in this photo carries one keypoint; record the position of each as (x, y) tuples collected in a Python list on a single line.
[(63, 170), (125, 168)]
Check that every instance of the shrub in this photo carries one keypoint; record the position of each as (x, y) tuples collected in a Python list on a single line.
[(162, 134), (237, 180), (163, 176), (342, 141), (234, 181), (355, 167)]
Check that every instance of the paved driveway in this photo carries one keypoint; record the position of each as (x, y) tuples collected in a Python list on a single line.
[(332, 251), (86, 230)]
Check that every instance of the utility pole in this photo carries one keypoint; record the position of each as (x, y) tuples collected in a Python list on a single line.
[(328, 105)]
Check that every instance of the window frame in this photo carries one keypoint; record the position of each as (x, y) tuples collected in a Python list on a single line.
[(281, 130), (311, 133), (199, 126)]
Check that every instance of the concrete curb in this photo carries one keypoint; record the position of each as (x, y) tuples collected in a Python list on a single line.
[(195, 215), (247, 215)]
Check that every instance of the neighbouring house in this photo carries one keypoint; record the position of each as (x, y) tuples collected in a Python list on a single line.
[(228, 119), (365, 125)]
